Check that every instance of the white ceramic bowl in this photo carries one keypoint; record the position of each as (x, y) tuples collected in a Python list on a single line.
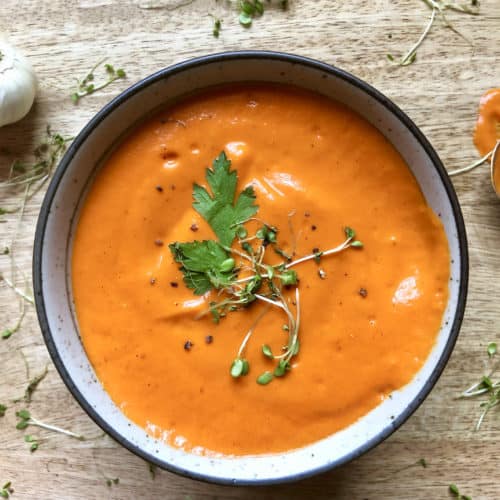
[(56, 225)]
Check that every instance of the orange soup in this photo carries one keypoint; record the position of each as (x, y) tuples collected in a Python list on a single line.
[(369, 315)]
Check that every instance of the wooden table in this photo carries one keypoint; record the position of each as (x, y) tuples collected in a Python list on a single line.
[(440, 92)]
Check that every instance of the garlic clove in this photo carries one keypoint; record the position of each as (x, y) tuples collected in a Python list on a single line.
[(18, 84)]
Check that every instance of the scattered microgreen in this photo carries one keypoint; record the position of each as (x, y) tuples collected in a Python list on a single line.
[(486, 387), (110, 481), (3, 409), (26, 420), (266, 350), (33, 441), (87, 85), (438, 8), (453, 489), (152, 470), (235, 268), (217, 25), (6, 490), (30, 177), (265, 378), (31, 387), (492, 349), (248, 10)]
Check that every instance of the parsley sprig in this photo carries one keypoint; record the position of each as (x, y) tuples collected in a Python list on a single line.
[(238, 271)]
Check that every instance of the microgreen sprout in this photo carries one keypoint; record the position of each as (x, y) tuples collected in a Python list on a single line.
[(438, 8), (32, 176), (248, 10), (87, 85), (485, 387), (490, 157), (33, 442), (26, 420), (31, 387), (492, 349), (453, 489), (217, 25), (236, 268), (6, 490), (110, 481), (152, 470)]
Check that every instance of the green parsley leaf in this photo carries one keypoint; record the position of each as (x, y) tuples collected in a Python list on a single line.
[(205, 265), (220, 209)]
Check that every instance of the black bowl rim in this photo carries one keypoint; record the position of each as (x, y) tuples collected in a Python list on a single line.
[(223, 57)]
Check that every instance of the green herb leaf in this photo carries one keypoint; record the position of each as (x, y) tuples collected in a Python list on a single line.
[(265, 378), (266, 350), (3, 409), (24, 414), (222, 213), (492, 349), (7, 333), (282, 368), (241, 232), (289, 277), (152, 470), (349, 232), (246, 367), (237, 368), (205, 265), (454, 489)]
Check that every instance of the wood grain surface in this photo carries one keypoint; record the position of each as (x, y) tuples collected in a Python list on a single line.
[(440, 92)]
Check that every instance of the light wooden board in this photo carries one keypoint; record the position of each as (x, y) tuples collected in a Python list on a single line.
[(440, 92)]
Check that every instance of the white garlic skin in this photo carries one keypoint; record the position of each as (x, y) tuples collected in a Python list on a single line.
[(17, 84)]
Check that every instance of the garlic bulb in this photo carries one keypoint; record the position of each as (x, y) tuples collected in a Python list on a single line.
[(17, 84)]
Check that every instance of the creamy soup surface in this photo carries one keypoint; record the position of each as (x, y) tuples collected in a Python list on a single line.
[(368, 320)]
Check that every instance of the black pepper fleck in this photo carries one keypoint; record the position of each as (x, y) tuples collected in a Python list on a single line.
[(159, 243), (209, 339), (174, 284), (307, 214), (159, 189), (363, 292), (187, 345), (194, 227), (313, 227), (152, 281)]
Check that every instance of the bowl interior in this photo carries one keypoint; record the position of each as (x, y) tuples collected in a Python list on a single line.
[(52, 260)]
